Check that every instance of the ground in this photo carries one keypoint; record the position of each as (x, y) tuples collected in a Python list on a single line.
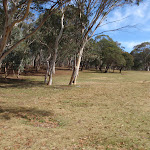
[(103, 111)]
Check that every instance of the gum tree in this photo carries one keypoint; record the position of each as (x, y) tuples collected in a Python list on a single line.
[(95, 12), (141, 54), (15, 12)]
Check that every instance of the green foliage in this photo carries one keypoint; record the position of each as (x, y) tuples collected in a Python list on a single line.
[(141, 54), (103, 51), (17, 59), (112, 54), (129, 60)]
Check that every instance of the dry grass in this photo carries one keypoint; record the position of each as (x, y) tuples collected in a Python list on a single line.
[(104, 111)]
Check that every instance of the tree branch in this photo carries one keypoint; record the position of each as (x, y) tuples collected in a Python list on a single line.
[(113, 30), (5, 8), (25, 15), (52, 10)]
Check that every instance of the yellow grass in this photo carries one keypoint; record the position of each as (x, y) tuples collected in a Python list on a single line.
[(103, 111)]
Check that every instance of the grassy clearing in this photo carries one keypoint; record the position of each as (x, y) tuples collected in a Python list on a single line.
[(104, 111)]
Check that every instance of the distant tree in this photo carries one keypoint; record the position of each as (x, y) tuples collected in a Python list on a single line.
[(104, 52), (111, 54), (141, 54), (129, 60)]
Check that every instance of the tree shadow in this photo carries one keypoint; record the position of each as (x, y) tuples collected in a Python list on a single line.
[(64, 87), (19, 83), (24, 113), (102, 72)]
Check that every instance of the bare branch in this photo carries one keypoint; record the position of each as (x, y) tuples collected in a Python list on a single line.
[(114, 30), (44, 44), (113, 21)]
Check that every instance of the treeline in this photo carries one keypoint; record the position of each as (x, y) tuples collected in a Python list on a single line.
[(60, 33)]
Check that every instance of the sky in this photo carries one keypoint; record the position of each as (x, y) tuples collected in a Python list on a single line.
[(137, 17)]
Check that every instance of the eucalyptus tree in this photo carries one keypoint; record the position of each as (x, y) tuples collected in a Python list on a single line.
[(129, 60), (141, 54), (17, 11), (56, 35), (95, 12), (49, 37), (91, 56), (110, 54), (18, 58), (56, 44)]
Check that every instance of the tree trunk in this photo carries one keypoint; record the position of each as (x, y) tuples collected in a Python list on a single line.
[(121, 69), (77, 65), (106, 69), (52, 66), (50, 74), (82, 65), (19, 68), (4, 39), (47, 71), (37, 63), (50, 78), (5, 71), (100, 66), (113, 69)]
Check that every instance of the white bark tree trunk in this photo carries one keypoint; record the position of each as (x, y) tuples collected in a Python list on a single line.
[(19, 68), (52, 66), (148, 68), (47, 71), (77, 65)]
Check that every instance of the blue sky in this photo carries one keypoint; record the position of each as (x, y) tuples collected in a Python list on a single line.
[(129, 15)]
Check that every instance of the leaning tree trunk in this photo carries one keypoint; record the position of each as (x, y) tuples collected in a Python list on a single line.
[(52, 66), (47, 69), (51, 69), (77, 65), (50, 77), (121, 69)]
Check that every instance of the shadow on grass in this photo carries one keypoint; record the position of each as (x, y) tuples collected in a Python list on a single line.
[(98, 71), (19, 83), (26, 83), (22, 112)]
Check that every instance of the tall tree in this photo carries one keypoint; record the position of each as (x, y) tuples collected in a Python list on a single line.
[(57, 40), (95, 12)]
